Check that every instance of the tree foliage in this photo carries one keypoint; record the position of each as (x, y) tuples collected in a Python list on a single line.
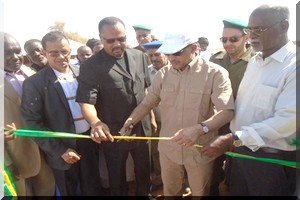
[(60, 26)]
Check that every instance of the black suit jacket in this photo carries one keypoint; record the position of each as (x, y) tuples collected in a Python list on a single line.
[(44, 107), (115, 91)]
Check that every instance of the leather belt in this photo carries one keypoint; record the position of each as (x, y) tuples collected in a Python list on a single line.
[(269, 150)]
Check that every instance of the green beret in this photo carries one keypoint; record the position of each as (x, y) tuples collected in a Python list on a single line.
[(234, 23), (142, 27)]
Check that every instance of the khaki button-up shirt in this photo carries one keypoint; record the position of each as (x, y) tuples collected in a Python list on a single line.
[(187, 98)]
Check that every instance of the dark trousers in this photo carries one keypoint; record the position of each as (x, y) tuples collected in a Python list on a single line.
[(84, 174), (218, 172), (90, 183), (256, 178), (67, 181), (116, 154)]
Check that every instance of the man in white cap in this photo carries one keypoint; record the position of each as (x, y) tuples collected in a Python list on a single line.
[(195, 100)]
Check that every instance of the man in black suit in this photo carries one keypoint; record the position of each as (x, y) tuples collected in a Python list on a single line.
[(48, 103), (111, 84)]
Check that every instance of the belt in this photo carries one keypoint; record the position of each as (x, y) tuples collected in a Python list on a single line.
[(269, 150)]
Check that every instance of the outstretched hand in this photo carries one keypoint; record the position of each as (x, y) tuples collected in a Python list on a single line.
[(100, 132), (8, 135), (218, 146), (186, 136), (126, 129)]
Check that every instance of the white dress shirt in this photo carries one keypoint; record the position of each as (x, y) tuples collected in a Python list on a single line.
[(69, 84), (266, 101)]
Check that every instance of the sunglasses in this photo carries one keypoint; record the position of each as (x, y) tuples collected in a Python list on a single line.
[(113, 40), (232, 39), (178, 53)]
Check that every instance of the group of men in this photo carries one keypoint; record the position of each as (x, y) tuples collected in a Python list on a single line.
[(238, 101)]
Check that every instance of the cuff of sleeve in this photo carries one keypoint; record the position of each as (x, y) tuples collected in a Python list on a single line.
[(250, 138)]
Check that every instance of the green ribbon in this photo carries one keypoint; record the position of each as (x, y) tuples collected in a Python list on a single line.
[(50, 134), (9, 185), (296, 142)]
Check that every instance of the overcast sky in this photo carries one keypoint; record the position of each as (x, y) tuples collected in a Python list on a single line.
[(26, 19)]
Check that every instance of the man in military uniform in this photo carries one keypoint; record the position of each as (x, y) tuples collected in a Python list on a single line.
[(143, 36), (234, 58), (236, 53)]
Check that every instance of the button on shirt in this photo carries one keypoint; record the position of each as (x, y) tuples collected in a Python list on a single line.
[(266, 101), (187, 98), (69, 84)]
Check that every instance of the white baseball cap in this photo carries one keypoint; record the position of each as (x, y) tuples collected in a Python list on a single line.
[(174, 42)]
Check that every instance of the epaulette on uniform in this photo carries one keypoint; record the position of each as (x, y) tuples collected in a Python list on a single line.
[(219, 53)]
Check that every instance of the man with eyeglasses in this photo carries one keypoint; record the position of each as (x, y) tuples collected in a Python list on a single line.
[(264, 125), (48, 103), (111, 84), (143, 36), (236, 53), (195, 100)]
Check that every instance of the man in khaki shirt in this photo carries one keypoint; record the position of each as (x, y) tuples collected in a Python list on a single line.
[(195, 99)]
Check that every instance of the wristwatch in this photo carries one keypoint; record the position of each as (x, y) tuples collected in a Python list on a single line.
[(236, 140), (204, 128)]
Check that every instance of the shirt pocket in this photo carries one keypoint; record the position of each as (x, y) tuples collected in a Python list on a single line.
[(196, 98), (265, 98), (168, 95)]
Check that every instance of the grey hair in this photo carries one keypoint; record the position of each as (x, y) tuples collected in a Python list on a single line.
[(281, 12)]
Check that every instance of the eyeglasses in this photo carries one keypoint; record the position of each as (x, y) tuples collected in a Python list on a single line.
[(178, 53), (58, 53), (232, 39), (259, 30), (112, 40)]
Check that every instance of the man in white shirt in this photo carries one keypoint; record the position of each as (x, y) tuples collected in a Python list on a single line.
[(49, 104), (265, 120), (204, 53)]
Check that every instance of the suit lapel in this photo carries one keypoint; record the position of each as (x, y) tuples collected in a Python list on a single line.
[(132, 65), (75, 70), (121, 69), (112, 64)]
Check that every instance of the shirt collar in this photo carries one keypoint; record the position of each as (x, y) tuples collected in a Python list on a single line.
[(281, 53), (19, 72)]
